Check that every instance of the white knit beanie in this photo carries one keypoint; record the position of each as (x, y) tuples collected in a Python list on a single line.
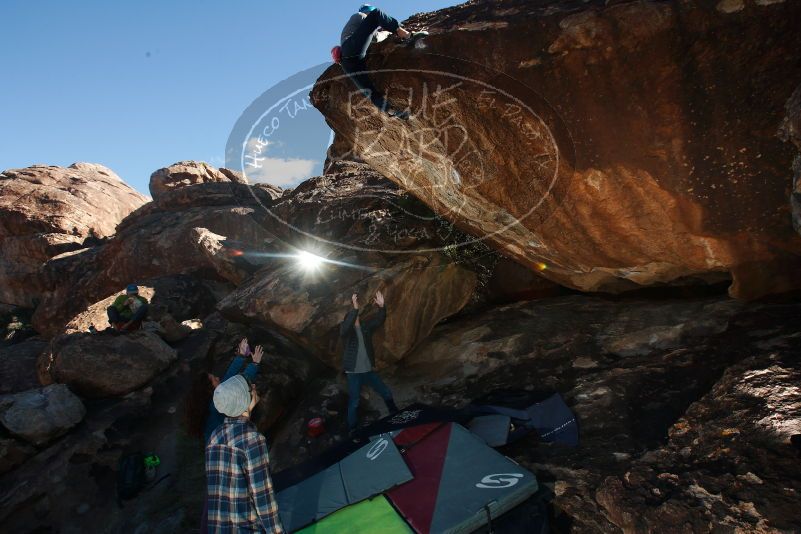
[(232, 397)]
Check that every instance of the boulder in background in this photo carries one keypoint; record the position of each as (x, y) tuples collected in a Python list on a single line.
[(105, 364), (47, 210), (40, 415)]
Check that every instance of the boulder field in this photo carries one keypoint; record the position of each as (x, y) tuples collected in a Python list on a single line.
[(599, 199)]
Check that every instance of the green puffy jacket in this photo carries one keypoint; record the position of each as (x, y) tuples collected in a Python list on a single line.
[(122, 306)]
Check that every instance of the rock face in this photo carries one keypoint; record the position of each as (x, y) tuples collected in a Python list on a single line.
[(18, 365), (186, 173), (728, 461), (12, 453), (162, 238), (420, 292), (371, 229), (48, 210), (790, 131), (608, 146), (103, 365), (40, 415), (585, 326), (52, 486)]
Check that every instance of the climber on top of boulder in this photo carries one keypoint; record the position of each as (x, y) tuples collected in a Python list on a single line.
[(128, 310), (358, 34)]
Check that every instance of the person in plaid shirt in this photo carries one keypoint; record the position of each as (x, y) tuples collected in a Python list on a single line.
[(240, 490)]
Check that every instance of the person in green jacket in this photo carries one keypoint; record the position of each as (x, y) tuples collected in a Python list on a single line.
[(128, 310)]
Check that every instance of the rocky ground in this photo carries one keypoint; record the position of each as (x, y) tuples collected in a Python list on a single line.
[(685, 409), (616, 294)]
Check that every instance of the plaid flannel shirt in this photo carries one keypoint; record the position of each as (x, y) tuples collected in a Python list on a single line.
[(240, 490)]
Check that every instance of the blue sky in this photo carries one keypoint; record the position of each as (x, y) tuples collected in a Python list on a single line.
[(138, 85)]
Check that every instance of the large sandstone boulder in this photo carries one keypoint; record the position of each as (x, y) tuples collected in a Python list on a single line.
[(609, 146), (48, 210), (105, 365), (223, 232), (419, 292), (378, 238), (83, 200), (187, 173), (40, 415), (166, 237)]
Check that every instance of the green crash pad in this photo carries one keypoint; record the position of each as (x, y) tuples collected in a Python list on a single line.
[(373, 516)]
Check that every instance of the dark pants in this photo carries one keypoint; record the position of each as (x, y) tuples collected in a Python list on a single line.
[(204, 519), (354, 50), (355, 383), (115, 318)]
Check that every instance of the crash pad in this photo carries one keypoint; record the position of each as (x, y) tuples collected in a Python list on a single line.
[(373, 516), (459, 483), (372, 469)]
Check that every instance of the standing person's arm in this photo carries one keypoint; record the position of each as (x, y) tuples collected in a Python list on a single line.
[(257, 472), (233, 367), (236, 364), (215, 418), (350, 318), (253, 367), (379, 318)]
